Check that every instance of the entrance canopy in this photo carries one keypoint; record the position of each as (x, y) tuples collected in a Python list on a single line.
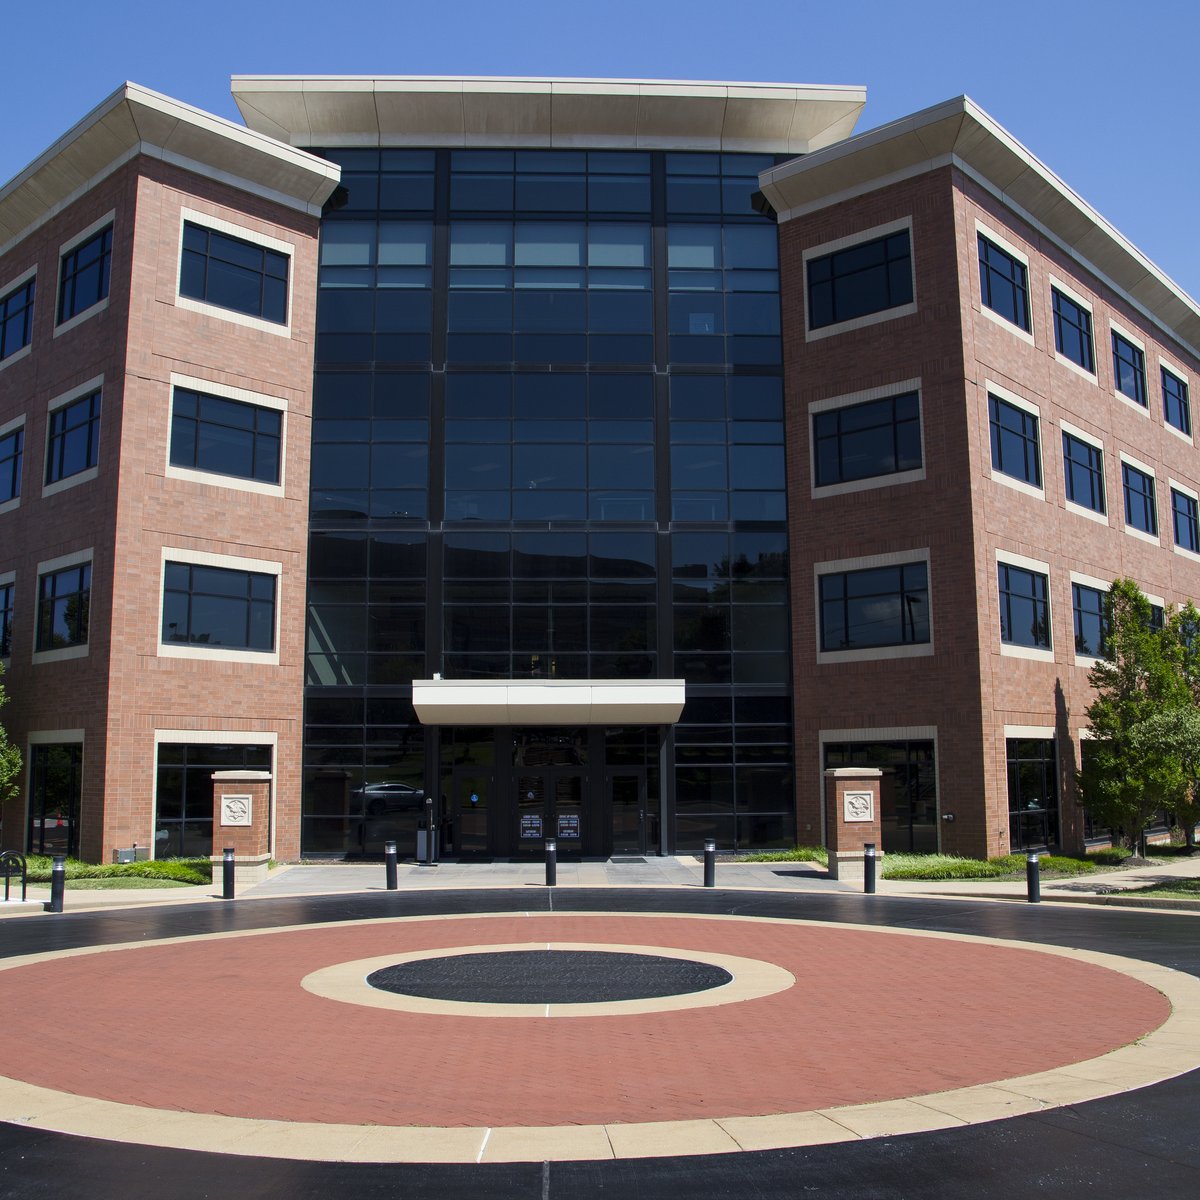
[(548, 701)]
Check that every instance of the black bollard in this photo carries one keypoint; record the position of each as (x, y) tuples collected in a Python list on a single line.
[(710, 863), (869, 868), (58, 883), (551, 862), (389, 863), (1033, 878), (227, 873)]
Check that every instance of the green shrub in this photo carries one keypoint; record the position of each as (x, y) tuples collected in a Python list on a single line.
[(180, 870), (1109, 856), (817, 854), (933, 867)]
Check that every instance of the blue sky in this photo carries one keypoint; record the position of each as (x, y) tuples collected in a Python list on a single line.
[(1103, 92)]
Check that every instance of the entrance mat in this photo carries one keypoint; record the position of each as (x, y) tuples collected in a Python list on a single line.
[(625, 859)]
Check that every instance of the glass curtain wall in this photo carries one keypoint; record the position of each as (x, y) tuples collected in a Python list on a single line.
[(548, 442)]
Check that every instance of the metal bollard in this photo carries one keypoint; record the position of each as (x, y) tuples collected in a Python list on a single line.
[(710, 862), (389, 863), (1033, 878), (869, 868), (58, 883), (227, 873), (551, 862)]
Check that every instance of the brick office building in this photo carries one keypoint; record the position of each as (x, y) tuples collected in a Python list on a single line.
[(548, 369)]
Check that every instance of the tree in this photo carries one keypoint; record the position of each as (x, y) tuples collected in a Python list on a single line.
[(10, 756), (1133, 768)]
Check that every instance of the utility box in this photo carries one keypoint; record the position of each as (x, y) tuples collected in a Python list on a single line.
[(133, 854), (423, 844)]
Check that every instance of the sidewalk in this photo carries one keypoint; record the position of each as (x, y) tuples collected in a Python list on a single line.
[(317, 879)]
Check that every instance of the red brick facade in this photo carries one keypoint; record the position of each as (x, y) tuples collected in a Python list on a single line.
[(968, 691), (124, 689)]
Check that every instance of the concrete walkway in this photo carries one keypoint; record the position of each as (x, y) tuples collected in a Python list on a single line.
[(334, 878)]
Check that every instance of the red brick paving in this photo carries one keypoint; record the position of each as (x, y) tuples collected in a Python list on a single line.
[(223, 1026)]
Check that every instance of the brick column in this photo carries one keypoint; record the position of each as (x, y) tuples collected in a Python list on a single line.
[(242, 819), (851, 819)]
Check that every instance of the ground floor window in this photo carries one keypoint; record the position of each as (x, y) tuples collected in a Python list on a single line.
[(1032, 793), (907, 791), (55, 787), (183, 825)]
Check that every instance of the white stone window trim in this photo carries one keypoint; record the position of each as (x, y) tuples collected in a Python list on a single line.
[(1101, 518), (1145, 469), (1034, 653), (1041, 732), (78, 239), (266, 241), (849, 400), (843, 243), (1135, 341), (1174, 486), (7, 577), (89, 473), (230, 562), (839, 566), (888, 733), (244, 396), (1171, 369), (1002, 243), (49, 567), (5, 429), (1057, 285), (1009, 397), (7, 289), (1100, 585), (216, 737)]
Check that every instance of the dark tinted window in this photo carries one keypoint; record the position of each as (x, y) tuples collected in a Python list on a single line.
[(227, 437), (213, 606), (879, 437), (83, 280), (882, 606), (1184, 518), (74, 444), (63, 607), (1176, 408), (1003, 283), (234, 274), (1024, 607), (1083, 472), (1073, 330), (868, 278), (1129, 369), (1087, 604), (1014, 441), (11, 448), (1141, 511), (16, 319)]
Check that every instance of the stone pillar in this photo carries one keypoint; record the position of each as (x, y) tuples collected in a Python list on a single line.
[(242, 819), (851, 819)]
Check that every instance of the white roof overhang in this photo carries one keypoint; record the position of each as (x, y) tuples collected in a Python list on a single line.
[(332, 110), (959, 133), (548, 701), (135, 120)]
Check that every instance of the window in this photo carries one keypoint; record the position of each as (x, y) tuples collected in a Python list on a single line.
[(1032, 792), (74, 438), (1024, 607), (1083, 472), (16, 319), (1087, 605), (7, 591), (12, 445), (1073, 331), (83, 280), (879, 437), (226, 437), (217, 607), (235, 274), (1015, 450), (1186, 521), (881, 606), (1141, 511), (55, 789), (1129, 369), (1177, 411), (866, 278), (64, 598), (1003, 284)]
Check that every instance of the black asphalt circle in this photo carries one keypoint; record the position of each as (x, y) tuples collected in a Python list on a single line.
[(548, 977), (1139, 1143)]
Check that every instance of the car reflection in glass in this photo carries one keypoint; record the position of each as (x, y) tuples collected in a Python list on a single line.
[(380, 798)]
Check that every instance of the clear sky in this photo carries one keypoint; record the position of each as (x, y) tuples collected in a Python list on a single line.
[(1103, 91)]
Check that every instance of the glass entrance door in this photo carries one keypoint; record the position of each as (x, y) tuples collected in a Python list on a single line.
[(627, 795), (465, 819), (549, 805)]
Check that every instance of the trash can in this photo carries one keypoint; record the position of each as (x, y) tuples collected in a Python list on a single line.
[(423, 845)]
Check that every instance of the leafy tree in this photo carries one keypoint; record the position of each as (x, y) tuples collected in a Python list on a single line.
[(1132, 768), (10, 756)]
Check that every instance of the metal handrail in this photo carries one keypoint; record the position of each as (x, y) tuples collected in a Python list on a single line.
[(8, 860)]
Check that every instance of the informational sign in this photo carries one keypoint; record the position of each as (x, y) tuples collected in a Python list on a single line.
[(531, 825), (568, 825)]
